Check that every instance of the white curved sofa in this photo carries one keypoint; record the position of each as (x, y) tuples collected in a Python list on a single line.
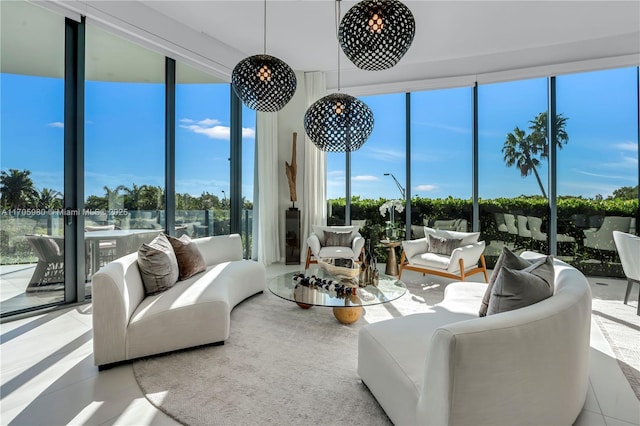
[(448, 366), (127, 324)]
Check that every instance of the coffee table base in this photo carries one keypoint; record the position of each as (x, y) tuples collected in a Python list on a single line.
[(348, 315)]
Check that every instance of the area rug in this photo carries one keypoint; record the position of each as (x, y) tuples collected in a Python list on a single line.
[(284, 365), (280, 365)]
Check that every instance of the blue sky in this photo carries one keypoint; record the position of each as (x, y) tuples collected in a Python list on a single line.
[(124, 129)]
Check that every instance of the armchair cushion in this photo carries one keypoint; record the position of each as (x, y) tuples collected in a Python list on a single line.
[(441, 245), (414, 247), (515, 289), (337, 239), (466, 237), (319, 231)]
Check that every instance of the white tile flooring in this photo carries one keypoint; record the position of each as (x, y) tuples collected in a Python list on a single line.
[(47, 376)]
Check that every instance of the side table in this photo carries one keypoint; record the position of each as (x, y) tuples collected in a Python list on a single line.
[(392, 261)]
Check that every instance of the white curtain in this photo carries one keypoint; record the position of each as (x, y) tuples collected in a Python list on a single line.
[(314, 199), (267, 165)]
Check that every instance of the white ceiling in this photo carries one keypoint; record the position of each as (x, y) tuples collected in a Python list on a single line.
[(453, 38), (456, 42)]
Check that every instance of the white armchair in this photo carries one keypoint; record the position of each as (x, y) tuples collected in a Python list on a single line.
[(629, 251), (422, 255), (334, 242)]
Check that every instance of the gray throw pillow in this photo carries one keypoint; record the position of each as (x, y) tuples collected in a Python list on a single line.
[(514, 289), (510, 260), (158, 265), (440, 245), (337, 239), (190, 260)]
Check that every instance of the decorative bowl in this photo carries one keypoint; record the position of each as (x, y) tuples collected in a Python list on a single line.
[(339, 271)]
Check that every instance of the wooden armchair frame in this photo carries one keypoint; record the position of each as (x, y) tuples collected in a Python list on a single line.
[(404, 264)]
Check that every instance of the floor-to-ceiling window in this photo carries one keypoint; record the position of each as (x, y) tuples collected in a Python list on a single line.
[(336, 188), (513, 165), (597, 166), (31, 157), (441, 160), (124, 146), (248, 169), (377, 165), (202, 153)]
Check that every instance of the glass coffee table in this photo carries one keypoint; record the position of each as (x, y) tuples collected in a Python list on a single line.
[(345, 297)]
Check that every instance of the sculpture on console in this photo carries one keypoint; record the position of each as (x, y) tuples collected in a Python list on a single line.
[(292, 170)]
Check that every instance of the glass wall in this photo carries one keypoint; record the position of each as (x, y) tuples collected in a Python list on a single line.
[(598, 166), (31, 157), (124, 146), (441, 160), (336, 188), (513, 166), (248, 169), (202, 153), (376, 166)]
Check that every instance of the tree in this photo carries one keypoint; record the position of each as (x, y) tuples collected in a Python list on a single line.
[(16, 188), (47, 199), (526, 151), (626, 193), (114, 199)]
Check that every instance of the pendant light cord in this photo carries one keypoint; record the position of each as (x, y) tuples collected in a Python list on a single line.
[(337, 13), (264, 28)]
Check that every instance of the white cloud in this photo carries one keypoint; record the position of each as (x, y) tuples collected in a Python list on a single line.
[(208, 122), (56, 124), (364, 178), (386, 154), (211, 128), (626, 146), (426, 188), (599, 175), (454, 129)]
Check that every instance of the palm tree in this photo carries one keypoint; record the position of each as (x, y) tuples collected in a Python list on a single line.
[(16, 188), (522, 150), (113, 196), (48, 199)]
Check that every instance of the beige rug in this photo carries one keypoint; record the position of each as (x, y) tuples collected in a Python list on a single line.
[(284, 365), (281, 365)]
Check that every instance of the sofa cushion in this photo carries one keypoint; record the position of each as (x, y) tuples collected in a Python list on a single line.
[(158, 265), (337, 239), (514, 289), (441, 245), (510, 260), (466, 237), (190, 260)]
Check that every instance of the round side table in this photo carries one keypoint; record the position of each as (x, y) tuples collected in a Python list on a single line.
[(392, 261)]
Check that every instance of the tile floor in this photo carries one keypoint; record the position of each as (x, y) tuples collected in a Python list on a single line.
[(48, 376)]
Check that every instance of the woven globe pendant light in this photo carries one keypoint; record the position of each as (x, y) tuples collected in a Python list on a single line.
[(338, 123), (264, 82), (375, 34)]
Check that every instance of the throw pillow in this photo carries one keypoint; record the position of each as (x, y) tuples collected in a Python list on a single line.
[(467, 237), (514, 289), (190, 260), (414, 247), (440, 245), (337, 239), (510, 260), (158, 265)]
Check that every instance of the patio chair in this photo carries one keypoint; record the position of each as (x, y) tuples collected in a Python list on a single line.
[(600, 241), (345, 242), (628, 246), (431, 255), (50, 267)]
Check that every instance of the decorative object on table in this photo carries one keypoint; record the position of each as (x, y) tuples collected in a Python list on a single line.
[(341, 272), (341, 289), (369, 274), (391, 229), (291, 170), (264, 82), (375, 34), (338, 122)]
